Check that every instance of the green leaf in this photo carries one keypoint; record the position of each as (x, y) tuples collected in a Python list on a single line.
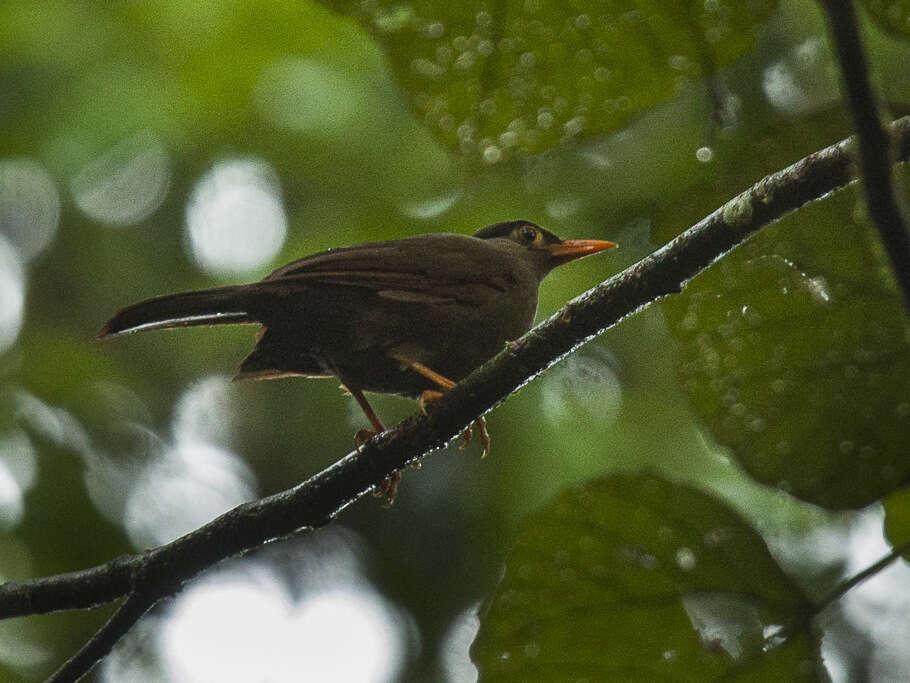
[(795, 348), (892, 16), (897, 518), (493, 78), (637, 578)]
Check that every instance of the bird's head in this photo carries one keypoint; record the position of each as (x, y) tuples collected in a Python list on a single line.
[(541, 247)]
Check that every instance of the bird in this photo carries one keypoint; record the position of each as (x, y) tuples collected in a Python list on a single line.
[(409, 316)]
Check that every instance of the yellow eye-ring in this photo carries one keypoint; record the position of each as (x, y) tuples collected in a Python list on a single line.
[(528, 234)]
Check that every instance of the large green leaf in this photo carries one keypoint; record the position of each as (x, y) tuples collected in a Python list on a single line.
[(492, 77), (795, 348), (891, 15), (636, 578)]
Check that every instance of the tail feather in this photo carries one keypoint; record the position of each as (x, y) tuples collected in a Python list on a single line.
[(219, 306), (276, 356)]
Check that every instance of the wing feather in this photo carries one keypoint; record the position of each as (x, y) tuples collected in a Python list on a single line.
[(431, 267)]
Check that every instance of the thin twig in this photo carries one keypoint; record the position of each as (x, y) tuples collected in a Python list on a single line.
[(847, 585), (876, 158), (160, 572), (100, 644), (803, 620)]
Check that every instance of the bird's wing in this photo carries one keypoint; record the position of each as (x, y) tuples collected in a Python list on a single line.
[(429, 269)]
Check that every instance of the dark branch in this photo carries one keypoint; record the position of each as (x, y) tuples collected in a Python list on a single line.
[(100, 644), (875, 153), (839, 591), (159, 573), (74, 590), (849, 584)]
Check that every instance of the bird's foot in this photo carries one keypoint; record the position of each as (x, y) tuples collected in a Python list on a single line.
[(362, 436), (388, 489), (427, 396), (480, 424)]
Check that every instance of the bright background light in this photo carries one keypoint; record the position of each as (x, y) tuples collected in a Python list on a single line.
[(235, 218)]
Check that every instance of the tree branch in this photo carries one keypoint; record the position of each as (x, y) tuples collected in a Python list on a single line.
[(875, 152), (100, 644), (841, 589), (160, 572)]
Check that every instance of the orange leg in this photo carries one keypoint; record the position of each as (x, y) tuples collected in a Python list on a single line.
[(422, 369), (389, 488), (430, 395), (367, 409)]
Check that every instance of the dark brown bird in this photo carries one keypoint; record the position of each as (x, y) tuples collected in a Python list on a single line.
[(409, 316)]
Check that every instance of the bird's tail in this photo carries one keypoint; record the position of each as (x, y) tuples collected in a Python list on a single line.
[(218, 306)]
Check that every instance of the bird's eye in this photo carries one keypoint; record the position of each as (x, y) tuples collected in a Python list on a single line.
[(527, 233)]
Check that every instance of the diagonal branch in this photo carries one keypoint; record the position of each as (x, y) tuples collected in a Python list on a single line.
[(839, 591), (105, 638), (875, 153), (849, 584), (160, 572)]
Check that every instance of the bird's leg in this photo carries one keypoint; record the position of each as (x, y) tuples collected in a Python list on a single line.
[(389, 487), (364, 435), (431, 395), (426, 397)]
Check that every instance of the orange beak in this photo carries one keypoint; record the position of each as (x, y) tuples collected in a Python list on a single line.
[(569, 250)]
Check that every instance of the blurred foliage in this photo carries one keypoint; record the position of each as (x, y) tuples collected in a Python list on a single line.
[(892, 15), (492, 78), (143, 142), (897, 517), (796, 347), (638, 578)]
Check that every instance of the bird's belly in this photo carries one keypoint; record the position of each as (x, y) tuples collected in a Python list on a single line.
[(367, 343), (451, 343), (383, 375)]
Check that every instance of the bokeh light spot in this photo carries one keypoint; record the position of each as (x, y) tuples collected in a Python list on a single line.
[(192, 480), (801, 80), (204, 410), (11, 500), (456, 646), (19, 649), (127, 183), (582, 386), (185, 486), (426, 209), (235, 217), (782, 89), (307, 96), (12, 293), (29, 206), (243, 628), (18, 468)]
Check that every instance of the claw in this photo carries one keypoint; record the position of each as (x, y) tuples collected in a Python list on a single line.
[(362, 436), (427, 396), (430, 395), (466, 437), (388, 489), (481, 425)]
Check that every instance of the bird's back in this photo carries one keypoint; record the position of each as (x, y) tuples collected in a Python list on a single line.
[(447, 301)]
